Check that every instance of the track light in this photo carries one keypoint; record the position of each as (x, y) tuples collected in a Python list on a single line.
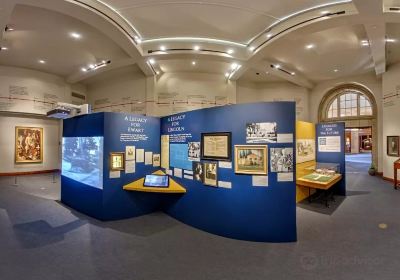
[(230, 51), (152, 61), (196, 48)]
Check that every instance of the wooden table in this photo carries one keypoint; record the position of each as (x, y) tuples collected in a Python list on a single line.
[(324, 186), (396, 165)]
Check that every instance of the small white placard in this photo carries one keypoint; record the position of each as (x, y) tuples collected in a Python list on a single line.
[(329, 144), (130, 153), (285, 138), (189, 177), (115, 174), (225, 164), (139, 155), (168, 172), (178, 172), (260, 181), (285, 177), (148, 158), (189, 172), (226, 185), (130, 166)]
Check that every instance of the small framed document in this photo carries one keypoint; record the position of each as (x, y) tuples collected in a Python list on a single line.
[(216, 146)]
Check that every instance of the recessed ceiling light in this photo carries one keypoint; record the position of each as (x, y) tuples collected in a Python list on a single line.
[(137, 39), (293, 73), (335, 70), (41, 61), (152, 61), (163, 48), (310, 46), (193, 62), (227, 75), (75, 35), (252, 48), (269, 35), (92, 66), (4, 48), (324, 12), (196, 48), (158, 72), (84, 69), (390, 40), (230, 51), (234, 66)]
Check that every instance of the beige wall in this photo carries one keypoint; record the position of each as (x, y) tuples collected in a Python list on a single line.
[(391, 115), (255, 92)]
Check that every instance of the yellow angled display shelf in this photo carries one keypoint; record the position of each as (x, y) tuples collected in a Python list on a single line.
[(137, 186)]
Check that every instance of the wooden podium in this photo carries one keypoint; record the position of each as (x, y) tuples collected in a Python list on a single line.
[(396, 165)]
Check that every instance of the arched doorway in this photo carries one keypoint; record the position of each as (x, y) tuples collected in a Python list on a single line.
[(354, 105)]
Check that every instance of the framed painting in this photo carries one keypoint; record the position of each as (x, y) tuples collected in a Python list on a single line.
[(393, 146), (28, 144), (251, 159), (117, 161), (216, 146)]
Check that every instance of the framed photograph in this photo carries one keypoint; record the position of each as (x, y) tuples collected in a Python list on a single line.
[(194, 151), (198, 172), (210, 174), (117, 161), (305, 150), (393, 146), (257, 133), (28, 144), (216, 146), (251, 159), (281, 159)]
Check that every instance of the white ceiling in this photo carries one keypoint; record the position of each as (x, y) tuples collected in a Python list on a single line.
[(44, 34)]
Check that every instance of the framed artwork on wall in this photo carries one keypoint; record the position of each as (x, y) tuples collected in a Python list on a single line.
[(210, 174), (251, 159), (216, 146), (117, 161), (28, 144), (393, 146)]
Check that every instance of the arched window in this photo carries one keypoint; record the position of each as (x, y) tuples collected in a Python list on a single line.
[(349, 103)]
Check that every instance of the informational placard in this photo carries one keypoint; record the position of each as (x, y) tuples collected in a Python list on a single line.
[(285, 177), (178, 172), (179, 156), (165, 151), (260, 181), (130, 167), (225, 164), (115, 174), (329, 144), (140, 155), (285, 138), (225, 185), (148, 158)]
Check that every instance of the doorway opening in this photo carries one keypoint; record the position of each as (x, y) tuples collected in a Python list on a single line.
[(359, 145)]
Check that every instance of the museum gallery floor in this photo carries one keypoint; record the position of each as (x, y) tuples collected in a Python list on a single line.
[(54, 242)]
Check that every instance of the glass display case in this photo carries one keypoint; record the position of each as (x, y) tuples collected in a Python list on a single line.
[(322, 172)]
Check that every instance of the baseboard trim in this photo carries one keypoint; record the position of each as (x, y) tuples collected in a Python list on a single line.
[(29, 172), (388, 179)]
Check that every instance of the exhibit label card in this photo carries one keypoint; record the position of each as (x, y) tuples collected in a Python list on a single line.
[(165, 151), (225, 185), (260, 181), (225, 164), (285, 177), (168, 172), (329, 144), (285, 138), (130, 166), (189, 172), (115, 174), (156, 160), (189, 177), (130, 153), (148, 158), (139, 155), (178, 172)]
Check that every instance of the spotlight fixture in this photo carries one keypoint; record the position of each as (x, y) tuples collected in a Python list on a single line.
[(390, 40), (310, 46), (335, 70), (252, 48), (234, 66), (158, 72), (92, 67), (280, 68), (277, 66), (152, 61), (163, 48), (269, 35), (75, 35), (4, 48), (365, 43), (230, 51), (193, 62), (293, 73), (137, 39), (8, 28), (41, 61), (196, 48), (226, 74), (324, 12)]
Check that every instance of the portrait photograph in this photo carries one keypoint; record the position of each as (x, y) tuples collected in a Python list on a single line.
[(117, 161), (251, 159), (198, 172), (393, 146), (210, 174), (261, 133), (194, 151), (28, 144), (281, 159)]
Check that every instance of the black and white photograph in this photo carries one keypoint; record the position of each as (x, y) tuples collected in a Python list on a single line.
[(261, 132), (198, 173), (210, 174), (194, 151), (281, 159)]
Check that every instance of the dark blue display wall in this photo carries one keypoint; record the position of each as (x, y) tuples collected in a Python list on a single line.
[(109, 201), (332, 154), (243, 211)]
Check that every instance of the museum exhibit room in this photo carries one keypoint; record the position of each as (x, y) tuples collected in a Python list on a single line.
[(201, 140)]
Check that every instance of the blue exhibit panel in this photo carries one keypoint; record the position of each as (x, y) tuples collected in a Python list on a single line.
[(121, 130), (242, 212), (333, 156), (179, 156)]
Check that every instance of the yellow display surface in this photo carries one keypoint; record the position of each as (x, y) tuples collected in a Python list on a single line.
[(319, 185), (304, 130), (137, 186)]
